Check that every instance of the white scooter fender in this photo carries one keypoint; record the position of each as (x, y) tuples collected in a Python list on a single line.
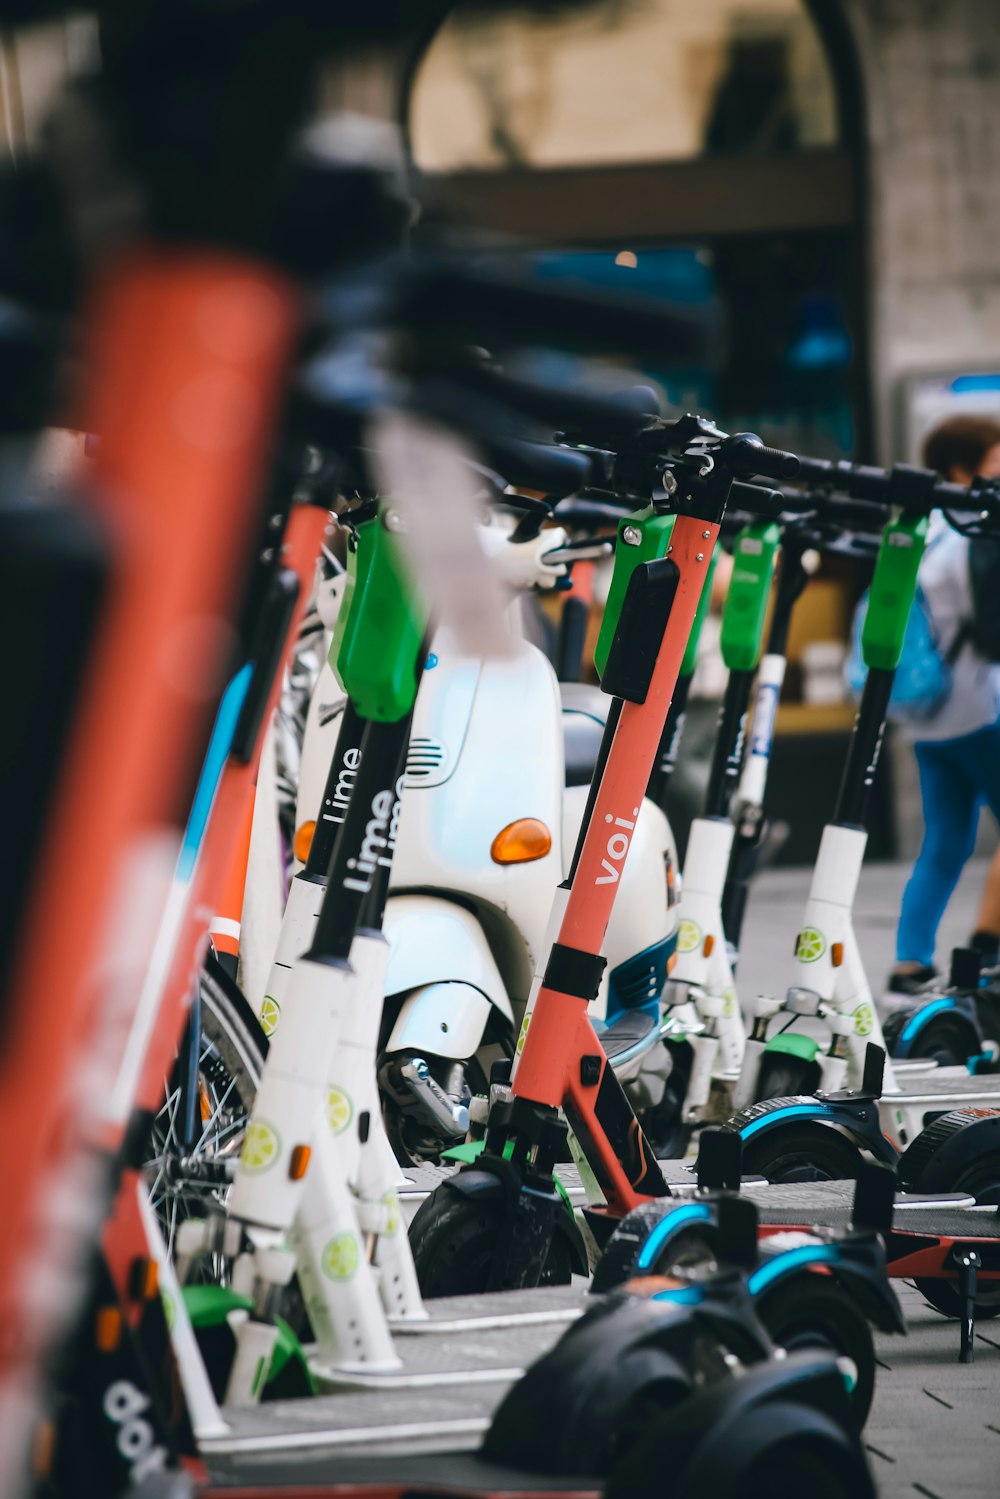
[(440, 960)]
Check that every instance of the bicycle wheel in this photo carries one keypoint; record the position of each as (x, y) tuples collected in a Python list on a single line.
[(185, 1181)]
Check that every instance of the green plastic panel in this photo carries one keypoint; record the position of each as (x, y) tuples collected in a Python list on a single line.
[(380, 629), (655, 533), (743, 613), (209, 1306), (691, 654), (793, 1045), (893, 588)]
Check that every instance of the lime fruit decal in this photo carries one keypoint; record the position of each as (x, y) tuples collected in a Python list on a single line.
[(688, 936), (260, 1147), (270, 1014), (392, 1214), (522, 1034), (864, 1019), (729, 1003), (341, 1257), (339, 1110), (169, 1310), (811, 945)]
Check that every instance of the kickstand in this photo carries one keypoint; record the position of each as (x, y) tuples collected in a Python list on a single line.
[(968, 1263)]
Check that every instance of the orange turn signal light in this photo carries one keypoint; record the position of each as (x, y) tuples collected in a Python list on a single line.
[(298, 1165), (144, 1278), (836, 953), (303, 841), (708, 945), (521, 841), (108, 1332)]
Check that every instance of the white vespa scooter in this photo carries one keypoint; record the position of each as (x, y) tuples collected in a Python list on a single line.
[(472, 875)]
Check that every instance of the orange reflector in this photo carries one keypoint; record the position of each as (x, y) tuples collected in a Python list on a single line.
[(836, 953), (43, 1449), (708, 945), (108, 1332), (298, 1165), (521, 841), (150, 1281), (204, 1102), (672, 962), (303, 841)]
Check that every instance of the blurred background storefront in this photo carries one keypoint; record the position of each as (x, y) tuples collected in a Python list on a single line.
[(816, 179)]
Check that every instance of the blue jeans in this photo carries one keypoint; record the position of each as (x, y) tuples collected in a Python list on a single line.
[(956, 777)]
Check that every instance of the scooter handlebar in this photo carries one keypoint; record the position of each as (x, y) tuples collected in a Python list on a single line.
[(744, 453)]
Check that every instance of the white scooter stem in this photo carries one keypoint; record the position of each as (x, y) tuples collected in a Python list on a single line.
[(702, 958), (827, 959)]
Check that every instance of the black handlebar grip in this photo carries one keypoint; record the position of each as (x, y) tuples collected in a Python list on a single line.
[(745, 453), (543, 466), (757, 499)]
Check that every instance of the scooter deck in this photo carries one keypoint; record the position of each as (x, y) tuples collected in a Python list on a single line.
[(390, 1474), (946, 1082), (409, 1410), (829, 1204), (554, 1305)]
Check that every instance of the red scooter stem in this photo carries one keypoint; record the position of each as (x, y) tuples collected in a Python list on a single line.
[(558, 1065)]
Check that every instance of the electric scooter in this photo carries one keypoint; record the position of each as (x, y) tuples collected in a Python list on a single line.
[(784, 1139), (703, 1021), (958, 1025), (724, 846), (502, 1211)]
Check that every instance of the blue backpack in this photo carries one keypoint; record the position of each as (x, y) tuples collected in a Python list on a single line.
[(923, 676)]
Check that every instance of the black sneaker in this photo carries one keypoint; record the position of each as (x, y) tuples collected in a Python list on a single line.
[(912, 982)]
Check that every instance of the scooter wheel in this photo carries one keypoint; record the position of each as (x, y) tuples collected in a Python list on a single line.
[(809, 1153), (691, 1249), (943, 1297), (811, 1311), (942, 1040), (454, 1238), (782, 1076)]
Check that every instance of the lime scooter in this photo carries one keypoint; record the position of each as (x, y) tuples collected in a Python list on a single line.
[(500, 1214), (703, 1023), (724, 848), (794, 1136)]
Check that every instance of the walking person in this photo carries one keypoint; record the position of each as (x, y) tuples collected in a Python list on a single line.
[(958, 748)]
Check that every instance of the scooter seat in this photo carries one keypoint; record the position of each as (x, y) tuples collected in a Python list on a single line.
[(585, 712), (629, 1033)]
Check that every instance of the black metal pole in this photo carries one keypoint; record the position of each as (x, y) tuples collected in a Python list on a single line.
[(365, 844), (727, 759), (669, 745), (866, 746)]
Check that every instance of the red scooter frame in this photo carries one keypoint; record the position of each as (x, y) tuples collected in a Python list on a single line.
[(562, 1063)]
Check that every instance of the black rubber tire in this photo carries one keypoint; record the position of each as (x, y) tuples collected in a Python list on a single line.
[(944, 1041), (664, 1126), (784, 1076), (943, 1297), (793, 1469), (453, 1238), (812, 1311), (805, 1153), (691, 1253)]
